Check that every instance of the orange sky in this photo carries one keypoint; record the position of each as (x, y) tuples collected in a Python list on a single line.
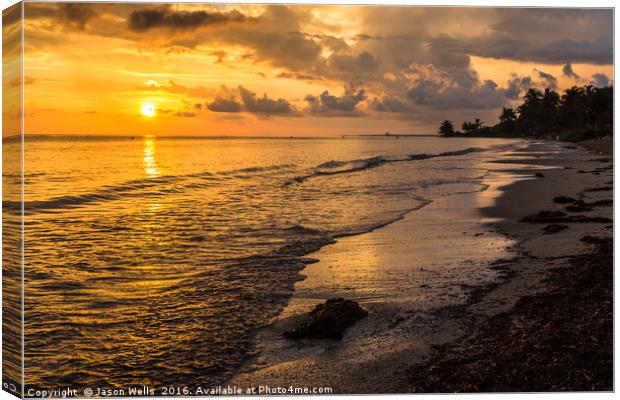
[(295, 70)]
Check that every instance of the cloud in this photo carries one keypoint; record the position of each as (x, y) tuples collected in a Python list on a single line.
[(251, 103), (440, 89), (300, 76), (185, 114), (568, 72), (70, 15), (264, 105), (173, 87), (549, 80), (291, 50), (410, 60), (11, 15), (517, 85), (224, 105), (334, 106), (17, 82), (597, 51), (360, 66), (600, 80), (391, 104), (164, 17), (77, 14)]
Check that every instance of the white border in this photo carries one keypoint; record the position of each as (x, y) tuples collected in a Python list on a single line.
[(464, 3)]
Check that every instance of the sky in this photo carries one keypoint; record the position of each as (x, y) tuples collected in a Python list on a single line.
[(277, 70)]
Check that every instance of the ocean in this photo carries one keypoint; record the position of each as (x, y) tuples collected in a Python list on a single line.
[(157, 260)]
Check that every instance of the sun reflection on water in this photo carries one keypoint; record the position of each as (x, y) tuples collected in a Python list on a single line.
[(150, 165)]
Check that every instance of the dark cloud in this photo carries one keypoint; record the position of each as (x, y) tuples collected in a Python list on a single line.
[(11, 15), (264, 105), (70, 15), (364, 37), (224, 105), (291, 50), (517, 86), (300, 76), (600, 80), (362, 65), (185, 114), (391, 104), (549, 80), (551, 24), (77, 14), (483, 96), (568, 72), (598, 51), (12, 31), (333, 106), (164, 17), (17, 82), (425, 92), (453, 89), (333, 43)]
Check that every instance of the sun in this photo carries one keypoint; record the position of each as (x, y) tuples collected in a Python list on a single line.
[(147, 109)]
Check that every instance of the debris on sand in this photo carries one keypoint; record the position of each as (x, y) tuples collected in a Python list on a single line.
[(540, 344), (544, 217), (580, 205), (599, 189), (328, 320), (564, 200), (558, 217), (602, 203), (594, 240), (554, 228), (539, 175)]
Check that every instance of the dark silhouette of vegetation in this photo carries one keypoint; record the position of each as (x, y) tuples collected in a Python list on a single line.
[(446, 128), (579, 113)]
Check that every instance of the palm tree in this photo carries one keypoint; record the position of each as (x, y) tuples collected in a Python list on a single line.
[(446, 128), (472, 127), (549, 108), (572, 108), (530, 110), (507, 121), (598, 106)]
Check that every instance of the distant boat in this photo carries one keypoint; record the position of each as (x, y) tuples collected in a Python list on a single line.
[(388, 134)]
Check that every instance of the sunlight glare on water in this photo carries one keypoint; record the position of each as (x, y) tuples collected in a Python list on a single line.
[(150, 164)]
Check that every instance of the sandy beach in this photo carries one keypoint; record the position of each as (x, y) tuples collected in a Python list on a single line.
[(426, 301)]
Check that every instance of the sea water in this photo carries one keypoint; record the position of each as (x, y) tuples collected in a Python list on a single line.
[(156, 260)]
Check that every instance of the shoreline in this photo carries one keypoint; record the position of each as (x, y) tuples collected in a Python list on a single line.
[(514, 282), (538, 344)]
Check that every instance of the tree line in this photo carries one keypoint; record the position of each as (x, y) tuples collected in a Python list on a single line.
[(579, 113)]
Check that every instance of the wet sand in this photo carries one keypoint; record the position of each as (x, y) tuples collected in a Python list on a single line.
[(435, 276)]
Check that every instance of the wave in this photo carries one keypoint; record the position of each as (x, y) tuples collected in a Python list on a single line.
[(269, 168), (116, 192), (329, 168)]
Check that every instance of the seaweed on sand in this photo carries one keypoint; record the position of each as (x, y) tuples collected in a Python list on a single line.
[(558, 340)]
